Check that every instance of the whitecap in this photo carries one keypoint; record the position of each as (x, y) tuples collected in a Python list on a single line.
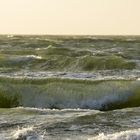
[(27, 133), (10, 36), (34, 56), (123, 135), (21, 132)]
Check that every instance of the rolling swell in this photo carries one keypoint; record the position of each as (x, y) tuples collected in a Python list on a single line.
[(64, 93)]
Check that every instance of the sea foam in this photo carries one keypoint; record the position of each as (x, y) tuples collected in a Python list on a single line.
[(26, 133), (123, 135)]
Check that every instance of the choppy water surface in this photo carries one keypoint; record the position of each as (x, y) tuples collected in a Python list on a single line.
[(43, 124), (69, 87)]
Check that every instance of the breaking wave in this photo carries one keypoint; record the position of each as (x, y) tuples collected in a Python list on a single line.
[(103, 96), (69, 94), (27, 133)]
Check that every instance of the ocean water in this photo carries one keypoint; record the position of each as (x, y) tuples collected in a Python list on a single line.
[(69, 87), (79, 124)]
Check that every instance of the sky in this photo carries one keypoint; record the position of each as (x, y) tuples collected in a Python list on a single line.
[(72, 17)]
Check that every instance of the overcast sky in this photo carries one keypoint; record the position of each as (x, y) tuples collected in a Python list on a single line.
[(95, 17)]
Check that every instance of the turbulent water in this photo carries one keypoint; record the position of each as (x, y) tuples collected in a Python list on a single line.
[(78, 124), (69, 87)]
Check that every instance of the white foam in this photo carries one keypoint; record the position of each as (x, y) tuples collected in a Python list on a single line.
[(123, 135), (34, 56), (26, 133), (38, 49), (48, 109), (10, 36), (20, 132), (130, 39)]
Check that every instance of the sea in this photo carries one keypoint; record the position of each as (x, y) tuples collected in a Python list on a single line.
[(69, 87)]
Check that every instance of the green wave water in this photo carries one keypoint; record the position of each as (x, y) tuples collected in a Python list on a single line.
[(69, 87), (66, 93), (69, 53)]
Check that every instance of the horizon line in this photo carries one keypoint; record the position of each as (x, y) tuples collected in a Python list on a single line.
[(43, 34)]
